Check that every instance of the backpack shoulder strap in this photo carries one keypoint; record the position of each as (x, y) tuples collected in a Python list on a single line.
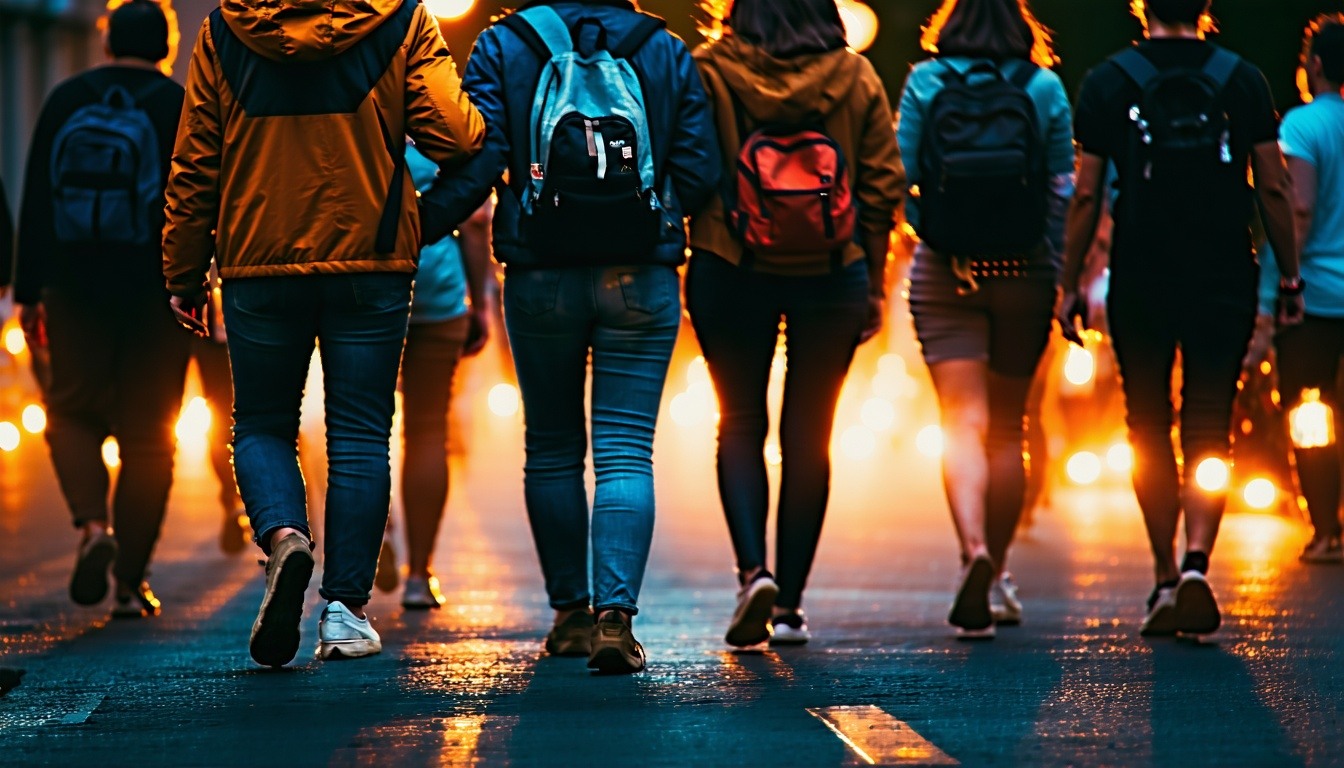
[(143, 93), (542, 29), (646, 28), (1221, 66), (1023, 74), (1136, 67)]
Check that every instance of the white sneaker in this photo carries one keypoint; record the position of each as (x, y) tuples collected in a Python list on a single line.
[(343, 635), (750, 625), (1161, 618), (789, 629), (1003, 601)]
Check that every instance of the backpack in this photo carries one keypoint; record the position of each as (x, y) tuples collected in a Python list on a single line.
[(106, 174), (792, 194), (1181, 146), (591, 192), (982, 158)]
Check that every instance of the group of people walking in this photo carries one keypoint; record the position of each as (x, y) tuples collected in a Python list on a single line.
[(323, 161)]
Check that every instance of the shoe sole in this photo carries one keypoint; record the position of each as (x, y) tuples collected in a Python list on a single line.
[(1160, 624), (89, 582), (976, 635), (275, 634), (788, 641), (971, 609), (348, 649), (750, 625), (1196, 609), (613, 661), (1006, 619)]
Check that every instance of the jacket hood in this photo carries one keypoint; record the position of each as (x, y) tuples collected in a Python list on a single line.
[(794, 90), (304, 30)]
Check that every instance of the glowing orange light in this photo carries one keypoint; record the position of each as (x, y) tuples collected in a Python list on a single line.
[(929, 441), (860, 24), (858, 443), (1079, 367), (1120, 458), (111, 453), (1083, 468), (34, 419), (1212, 475), (15, 344), (504, 400), (1312, 423), (1260, 493), (447, 10), (774, 456), (174, 30), (877, 414), (9, 436)]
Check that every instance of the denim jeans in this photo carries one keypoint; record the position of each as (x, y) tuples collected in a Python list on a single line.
[(627, 318), (359, 321)]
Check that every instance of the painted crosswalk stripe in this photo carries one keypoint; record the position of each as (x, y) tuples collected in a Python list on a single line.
[(880, 739)]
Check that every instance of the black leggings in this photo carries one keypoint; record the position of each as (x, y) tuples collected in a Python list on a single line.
[(736, 314), (1212, 339), (1309, 357)]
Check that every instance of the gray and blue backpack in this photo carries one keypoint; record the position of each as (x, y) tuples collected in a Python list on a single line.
[(591, 193), (106, 173)]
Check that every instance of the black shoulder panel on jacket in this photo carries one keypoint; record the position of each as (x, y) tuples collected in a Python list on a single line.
[(268, 88)]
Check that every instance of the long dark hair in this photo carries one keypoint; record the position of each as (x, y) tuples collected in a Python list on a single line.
[(787, 28), (994, 29)]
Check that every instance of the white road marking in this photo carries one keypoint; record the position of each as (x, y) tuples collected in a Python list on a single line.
[(880, 739)]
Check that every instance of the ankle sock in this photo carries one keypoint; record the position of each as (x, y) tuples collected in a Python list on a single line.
[(1195, 561)]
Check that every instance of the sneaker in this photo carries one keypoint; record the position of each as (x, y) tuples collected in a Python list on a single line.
[(343, 635), (789, 629), (750, 625), (1004, 605), (573, 636), (988, 633), (387, 578), (233, 533), (1325, 551), (971, 609), (1161, 618), (137, 602), (1196, 609), (422, 594), (275, 633), (615, 651), (89, 583)]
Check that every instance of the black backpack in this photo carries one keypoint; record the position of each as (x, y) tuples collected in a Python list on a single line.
[(982, 157), (1181, 142)]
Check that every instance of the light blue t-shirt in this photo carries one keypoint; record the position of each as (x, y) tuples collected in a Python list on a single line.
[(1315, 133), (441, 282), (1054, 112)]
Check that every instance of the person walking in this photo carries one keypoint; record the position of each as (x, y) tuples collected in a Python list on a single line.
[(88, 290), (1309, 355), (795, 111), (1184, 122), (990, 124), (290, 170), (450, 320), (603, 167)]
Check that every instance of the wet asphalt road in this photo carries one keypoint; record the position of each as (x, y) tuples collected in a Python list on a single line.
[(882, 682)]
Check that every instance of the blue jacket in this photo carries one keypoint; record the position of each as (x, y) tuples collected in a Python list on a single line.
[(500, 78)]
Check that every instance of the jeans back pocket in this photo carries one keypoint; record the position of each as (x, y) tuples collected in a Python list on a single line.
[(532, 291), (648, 290)]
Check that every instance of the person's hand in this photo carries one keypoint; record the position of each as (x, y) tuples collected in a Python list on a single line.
[(478, 332), (1292, 310), (1261, 344), (33, 321), (190, 313), (1072, 314), (877, 316)]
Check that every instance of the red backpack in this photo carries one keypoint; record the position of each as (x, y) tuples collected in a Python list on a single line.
[(793, 193)]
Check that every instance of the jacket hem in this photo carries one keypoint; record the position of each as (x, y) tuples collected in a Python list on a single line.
[(319, 268)]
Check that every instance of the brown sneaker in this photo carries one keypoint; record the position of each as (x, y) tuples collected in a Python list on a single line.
[(275, 633), (573, 636), (136, 602), (89, 582), (615, 651)]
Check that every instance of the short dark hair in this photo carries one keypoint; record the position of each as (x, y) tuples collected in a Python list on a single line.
[(994, 29), (1178, 11), (788, 28), (138, 29), (1325, 39)]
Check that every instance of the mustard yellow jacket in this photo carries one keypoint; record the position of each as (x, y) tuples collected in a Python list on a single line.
[(289, 155)]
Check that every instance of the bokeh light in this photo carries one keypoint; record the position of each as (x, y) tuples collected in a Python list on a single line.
[(111, 453), (504, 400), (860, 24), (858, 443), (447, 10), (193, 425), (1212, 475), (1084, 468), (15, 344), (1120, 458), (1312, 423), (929, 441), (9, 436), (1260, 493), (774, 456), (878, 414), (1079, 367), (34, 419)]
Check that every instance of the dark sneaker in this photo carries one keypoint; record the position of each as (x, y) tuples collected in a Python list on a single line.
[(233, 533), (1161, 618), (750, 625), (387, 578), (1196, 609), (971, 609), (615, 651), (137, 602), (573, 636), (1327, 551), (89, 583), (422, 594), (275, 633), (789, 629)]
